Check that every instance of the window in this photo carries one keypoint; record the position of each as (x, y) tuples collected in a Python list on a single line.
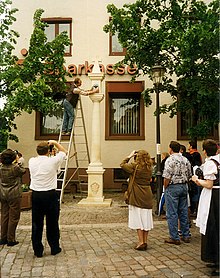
[(57, 26), (124, 111), (185, 121), (48, 126), (120, 175), (115, 48)]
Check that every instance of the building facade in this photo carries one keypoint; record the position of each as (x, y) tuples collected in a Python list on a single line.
[(126, 124)]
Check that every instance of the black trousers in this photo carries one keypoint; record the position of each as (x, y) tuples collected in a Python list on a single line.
[(45, 203)]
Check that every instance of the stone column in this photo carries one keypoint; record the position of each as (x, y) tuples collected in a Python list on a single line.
[(95, 169)]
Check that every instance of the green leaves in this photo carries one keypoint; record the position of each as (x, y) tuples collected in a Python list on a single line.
[(183, 36), (33, 86)]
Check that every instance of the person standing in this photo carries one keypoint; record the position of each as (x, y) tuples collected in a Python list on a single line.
[(196, 160), (187, 155), (70, 103), (184, 152), (140, 195), (164, 157), (21, 160), (10, 196), (43, 174), (208, 208), (176, 174), (161, 210), (153, 181)]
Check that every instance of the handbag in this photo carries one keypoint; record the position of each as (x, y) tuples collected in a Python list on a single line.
[(127, 192)]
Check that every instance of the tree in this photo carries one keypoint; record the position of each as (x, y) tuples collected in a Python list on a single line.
[(34, 85), (7, 39), (183, 36)]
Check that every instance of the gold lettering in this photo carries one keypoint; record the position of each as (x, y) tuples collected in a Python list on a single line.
[(121, 70), (80, 67), (20, 62), (72, 69), (109, 69), (132, 70), (102, 68), (88, 68)]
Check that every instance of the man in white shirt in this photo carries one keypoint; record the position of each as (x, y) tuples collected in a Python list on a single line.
[(43, 172)]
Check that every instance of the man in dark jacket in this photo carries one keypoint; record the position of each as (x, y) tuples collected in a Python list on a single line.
[(196, 160)]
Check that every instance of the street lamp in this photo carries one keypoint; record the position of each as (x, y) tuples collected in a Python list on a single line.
[(157, 75)]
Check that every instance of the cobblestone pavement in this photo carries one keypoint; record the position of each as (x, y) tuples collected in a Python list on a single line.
[(97, 243)]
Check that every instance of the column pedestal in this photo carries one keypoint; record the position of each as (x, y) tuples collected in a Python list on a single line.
[(95, 188)]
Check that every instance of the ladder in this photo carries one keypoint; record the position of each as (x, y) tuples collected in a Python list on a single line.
[(76, 145)]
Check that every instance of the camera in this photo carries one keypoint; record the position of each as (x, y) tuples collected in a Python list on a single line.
[(135, 155), (199, 173), (51, 147)]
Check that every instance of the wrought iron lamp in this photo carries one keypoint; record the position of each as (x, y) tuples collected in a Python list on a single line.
[(157, 74)]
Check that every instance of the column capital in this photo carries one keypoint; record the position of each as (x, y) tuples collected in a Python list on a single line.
[(97, 97), (96, 76)]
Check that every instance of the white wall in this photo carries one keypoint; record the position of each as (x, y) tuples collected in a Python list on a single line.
[(89, 42)]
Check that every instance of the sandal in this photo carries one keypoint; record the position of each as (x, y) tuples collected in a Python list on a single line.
[(141, 247)]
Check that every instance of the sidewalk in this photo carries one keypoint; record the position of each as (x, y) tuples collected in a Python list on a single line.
[(97, 243)]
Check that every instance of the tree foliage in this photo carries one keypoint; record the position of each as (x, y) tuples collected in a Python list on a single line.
[(34, 85), (183, 36)]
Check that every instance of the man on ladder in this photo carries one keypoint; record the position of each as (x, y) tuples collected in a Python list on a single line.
[(74, 126), (70, 104)]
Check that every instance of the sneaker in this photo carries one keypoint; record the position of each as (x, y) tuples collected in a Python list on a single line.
[(180, 233)]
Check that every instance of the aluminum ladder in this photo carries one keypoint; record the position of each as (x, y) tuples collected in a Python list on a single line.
[(76, 145)]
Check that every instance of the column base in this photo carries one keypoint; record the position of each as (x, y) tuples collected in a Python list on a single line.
[(95, 202)]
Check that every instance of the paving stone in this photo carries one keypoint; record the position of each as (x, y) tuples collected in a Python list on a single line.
[(96, 242)]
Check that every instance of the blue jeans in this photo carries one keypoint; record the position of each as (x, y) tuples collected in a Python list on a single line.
[(68, 116), (177, 208)]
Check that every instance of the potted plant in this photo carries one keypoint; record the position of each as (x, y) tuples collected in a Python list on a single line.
[(26, 197)]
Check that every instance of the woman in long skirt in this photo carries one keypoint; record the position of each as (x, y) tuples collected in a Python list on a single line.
[(140, 195), (208, 209)]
